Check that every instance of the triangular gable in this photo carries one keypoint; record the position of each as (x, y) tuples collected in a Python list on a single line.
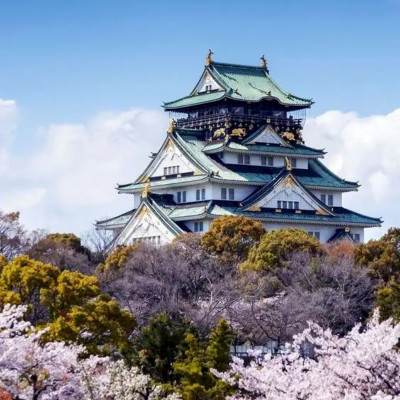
[(267, 135), (170, 155), (206, 83), (148, 224), (285, 188)]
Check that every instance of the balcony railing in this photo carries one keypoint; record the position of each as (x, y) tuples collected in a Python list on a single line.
[(204, 120)]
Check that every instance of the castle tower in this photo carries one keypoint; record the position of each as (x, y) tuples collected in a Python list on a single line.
[(235, 147)]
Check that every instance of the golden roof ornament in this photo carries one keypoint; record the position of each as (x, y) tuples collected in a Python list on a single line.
[(172, 126), (264, 63), (209, 59), (146, 189), (288, 164)]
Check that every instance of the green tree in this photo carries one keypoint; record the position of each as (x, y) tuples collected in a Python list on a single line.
[(231, 237), (159, 344), (194, 367), (382, 257), (118, 258), (276, 245), (68, 303), (101, 325), (388, 300)]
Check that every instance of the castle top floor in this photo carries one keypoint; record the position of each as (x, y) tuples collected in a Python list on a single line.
[(237, 95)]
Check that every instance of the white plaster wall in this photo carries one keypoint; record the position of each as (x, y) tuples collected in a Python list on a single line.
[(206, 225), (173, 157), (207, 80), (282, 195), (326, 231), (213, 191), (302, 163), (255, 159), (337, 196)]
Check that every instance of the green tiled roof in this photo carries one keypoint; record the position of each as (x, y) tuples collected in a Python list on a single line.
[(215, 208), (159, 183), (115, 222), (255, 197), (240, 82), (342, 216), (316, 176), (295, 150)]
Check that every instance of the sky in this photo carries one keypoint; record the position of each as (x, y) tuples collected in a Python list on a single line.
[(82, 84)]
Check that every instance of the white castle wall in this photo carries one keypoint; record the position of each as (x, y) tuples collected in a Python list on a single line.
[(255, 159)]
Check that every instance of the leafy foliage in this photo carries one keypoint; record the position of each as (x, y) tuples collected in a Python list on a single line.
[(159, 344), (388, 300), (118, 257), (382, 256), (68, 303), (276, 246), (231, 237), (194, 366)]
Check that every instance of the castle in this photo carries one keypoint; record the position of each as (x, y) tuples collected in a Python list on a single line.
[(235, 147)]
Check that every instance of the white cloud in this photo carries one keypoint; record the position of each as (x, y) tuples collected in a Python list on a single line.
[(69, 182), (8, 122), (363, 149)]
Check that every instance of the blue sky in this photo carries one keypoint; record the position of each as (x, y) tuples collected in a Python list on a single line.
[(66, 62)]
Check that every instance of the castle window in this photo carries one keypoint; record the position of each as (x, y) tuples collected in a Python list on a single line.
[(231, 194), (315, 234), (247, 159), (357, 237), (203, 194), (181, 197), (197, 194), (171, 170), (296, 205), (294, 162), (323, 198), (284, 204), (198, 227), (223, 193), (290, 205), (263, 160), (279, 205), (240, 158), (330, 200), (208, 88)]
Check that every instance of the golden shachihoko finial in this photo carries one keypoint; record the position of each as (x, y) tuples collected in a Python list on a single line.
[(263, 61), (209, 59), (172, 125), (146, 189)]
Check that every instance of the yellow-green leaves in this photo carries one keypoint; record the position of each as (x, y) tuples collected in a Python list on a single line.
[(275, 246)]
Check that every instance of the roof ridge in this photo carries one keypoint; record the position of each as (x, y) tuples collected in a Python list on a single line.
[(237, 65), (324, 167), (361, 215)]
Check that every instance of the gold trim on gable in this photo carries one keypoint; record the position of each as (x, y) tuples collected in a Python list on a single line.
[(254, 208), (289, 181)]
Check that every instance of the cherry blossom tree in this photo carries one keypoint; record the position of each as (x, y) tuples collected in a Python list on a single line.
[(57, 370), (364, 364)]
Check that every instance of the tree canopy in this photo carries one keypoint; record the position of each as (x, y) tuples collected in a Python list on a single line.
[(231, 237), (276, 246)]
